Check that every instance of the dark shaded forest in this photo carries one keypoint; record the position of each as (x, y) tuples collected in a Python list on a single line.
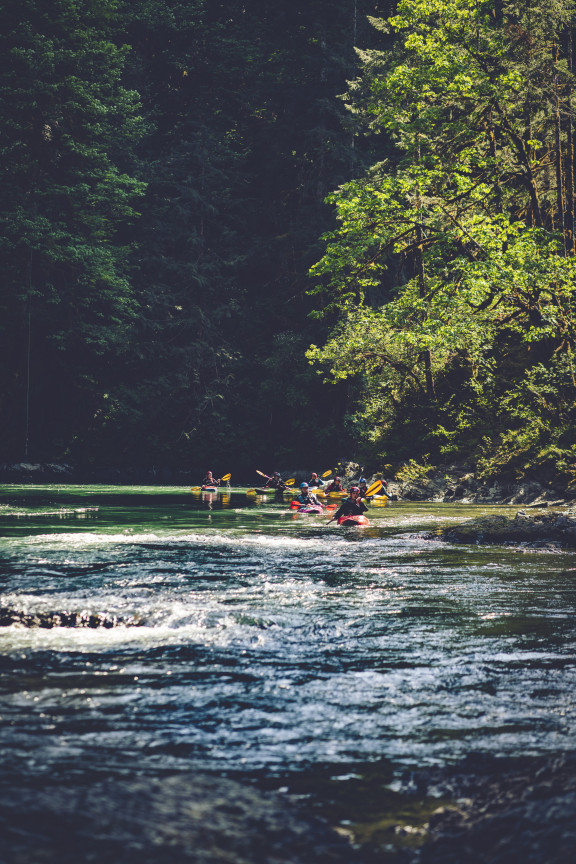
[(195, 193)]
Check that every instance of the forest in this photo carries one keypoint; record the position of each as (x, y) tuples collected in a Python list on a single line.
[(289, 232)]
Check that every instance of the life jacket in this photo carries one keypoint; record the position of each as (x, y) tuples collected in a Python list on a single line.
[(352, 508), (307, 499)]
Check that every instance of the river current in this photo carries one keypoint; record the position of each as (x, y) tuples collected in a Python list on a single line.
[(231, 635)]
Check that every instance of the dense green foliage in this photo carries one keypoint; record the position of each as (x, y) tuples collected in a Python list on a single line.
[(452, 268), (165, 168), (169, 169), (66, 118)]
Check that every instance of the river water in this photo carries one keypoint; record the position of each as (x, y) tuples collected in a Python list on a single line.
[(232, 635)]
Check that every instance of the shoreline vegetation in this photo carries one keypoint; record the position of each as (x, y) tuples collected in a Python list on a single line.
[(287, 229)]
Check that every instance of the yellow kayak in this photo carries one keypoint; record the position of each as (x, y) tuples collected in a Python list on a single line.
[(379, 500)]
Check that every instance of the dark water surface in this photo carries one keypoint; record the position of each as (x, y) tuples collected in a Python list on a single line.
[(231, 635)]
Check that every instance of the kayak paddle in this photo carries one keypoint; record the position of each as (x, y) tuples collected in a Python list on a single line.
[(374, 488), (285, 482)]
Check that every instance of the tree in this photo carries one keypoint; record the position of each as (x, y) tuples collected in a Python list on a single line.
[(66, 300), (466, 214)]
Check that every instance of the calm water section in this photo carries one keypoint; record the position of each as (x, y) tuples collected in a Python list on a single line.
[(242, 637)]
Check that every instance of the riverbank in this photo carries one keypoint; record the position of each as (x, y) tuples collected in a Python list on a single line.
[(450, 483), (459, 484), (483, 810)]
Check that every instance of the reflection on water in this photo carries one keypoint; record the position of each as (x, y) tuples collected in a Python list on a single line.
[(165, 630)]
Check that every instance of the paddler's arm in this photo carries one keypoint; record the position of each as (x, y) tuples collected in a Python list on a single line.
[(336, 515)]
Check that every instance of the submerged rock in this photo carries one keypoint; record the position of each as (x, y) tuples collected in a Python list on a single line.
[(507, 810), (550, 529), (486, 810), (186, 818), (48, 620)]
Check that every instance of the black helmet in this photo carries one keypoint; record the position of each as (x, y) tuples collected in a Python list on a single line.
[(276, 473)]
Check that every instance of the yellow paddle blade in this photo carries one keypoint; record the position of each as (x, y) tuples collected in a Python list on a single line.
[(250, 491), (375, 487), (195, 488), (290, 482), (226, 477), (326, 473), (262, 474)]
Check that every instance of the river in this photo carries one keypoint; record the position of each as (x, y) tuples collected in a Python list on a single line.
[(233, 636)]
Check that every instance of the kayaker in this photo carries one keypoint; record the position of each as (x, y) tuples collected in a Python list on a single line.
[(363, 486), (335, 486), (307, 498), (316, 482), (352, 506), (209, 480), (275, 482)]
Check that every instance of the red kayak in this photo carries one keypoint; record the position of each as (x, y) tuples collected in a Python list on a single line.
[(209, 488), (354, 520), (311, 509)]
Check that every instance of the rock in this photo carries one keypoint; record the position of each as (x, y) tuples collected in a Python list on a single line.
[(484, 810), (36, 472), (186, 818), (48, 620), (508, 811)]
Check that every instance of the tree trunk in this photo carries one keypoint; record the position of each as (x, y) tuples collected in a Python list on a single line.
[(558, 156), (569, 169), (421, 276)]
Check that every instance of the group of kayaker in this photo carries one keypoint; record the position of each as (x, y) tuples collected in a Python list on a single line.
[(354, 505)]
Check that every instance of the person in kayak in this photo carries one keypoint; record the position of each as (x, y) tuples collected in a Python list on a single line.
[(307, 498), (352, 506), (363, 484), (316, 482), (209, 480), (335, 486), (275, 482)]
